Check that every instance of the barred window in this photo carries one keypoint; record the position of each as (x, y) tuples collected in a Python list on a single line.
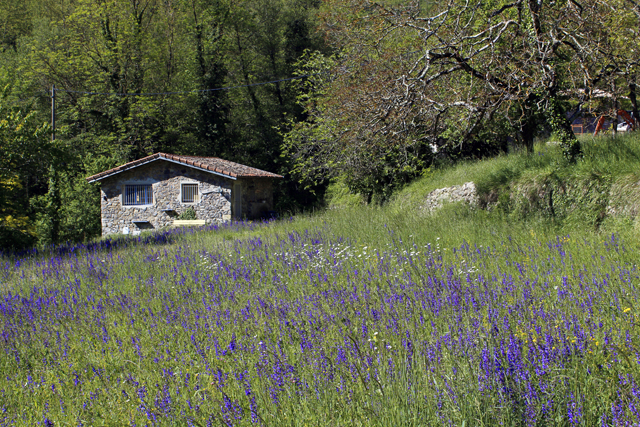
[(189, 193), (138, 195)]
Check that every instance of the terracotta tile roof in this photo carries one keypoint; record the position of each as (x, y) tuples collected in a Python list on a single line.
[(210, 164)]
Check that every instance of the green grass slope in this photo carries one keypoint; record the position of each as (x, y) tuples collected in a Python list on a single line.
[(357, 316), (601, 190)]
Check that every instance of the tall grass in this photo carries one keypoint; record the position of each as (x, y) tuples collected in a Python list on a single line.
[(616, 156), (605, 155), (369, 316), (356, 317)]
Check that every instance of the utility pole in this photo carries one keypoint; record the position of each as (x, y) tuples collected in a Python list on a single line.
[(53, 112)]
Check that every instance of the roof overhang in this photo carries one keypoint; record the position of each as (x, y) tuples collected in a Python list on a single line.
[(166, 160)]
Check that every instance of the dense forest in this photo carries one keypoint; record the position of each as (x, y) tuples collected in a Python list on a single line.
[(372, 93)]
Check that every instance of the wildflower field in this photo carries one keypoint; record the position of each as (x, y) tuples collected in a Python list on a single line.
[(282, 325)]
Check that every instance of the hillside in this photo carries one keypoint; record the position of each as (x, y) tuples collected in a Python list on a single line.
[(600, 192), (358, 90), (360, 315)]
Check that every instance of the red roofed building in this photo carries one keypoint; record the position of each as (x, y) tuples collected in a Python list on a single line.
[(153, 191)]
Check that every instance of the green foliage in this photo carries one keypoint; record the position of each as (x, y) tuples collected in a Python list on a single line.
[(80, 210), (25, 151), (468, 79), (370, 110), (123, 47), (557, 119), (188, 214), (15, 22), (48, 208), (339, 196), (320, 150), (16, 228)]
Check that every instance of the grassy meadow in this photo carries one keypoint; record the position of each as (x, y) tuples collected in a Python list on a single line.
[(358, 316)]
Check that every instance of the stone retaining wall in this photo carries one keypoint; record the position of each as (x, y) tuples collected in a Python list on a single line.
[(597, 197), (457, 193)]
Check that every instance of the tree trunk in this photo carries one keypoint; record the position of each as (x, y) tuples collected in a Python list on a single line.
[(560, 124), (634, 104), (615, 108), (527, 131)]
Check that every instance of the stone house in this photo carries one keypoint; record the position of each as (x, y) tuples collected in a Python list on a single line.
[(152, 192)]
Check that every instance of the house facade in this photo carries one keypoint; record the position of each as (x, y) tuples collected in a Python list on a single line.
[(151, 192)]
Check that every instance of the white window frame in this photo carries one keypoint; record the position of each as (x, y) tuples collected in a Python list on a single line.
[(196, 199), (136, 184)]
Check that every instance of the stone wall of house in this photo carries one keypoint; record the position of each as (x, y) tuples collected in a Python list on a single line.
[(257, 197), (166, 178), (456, 193)]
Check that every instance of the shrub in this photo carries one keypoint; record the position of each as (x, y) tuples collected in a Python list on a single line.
[(189, 213)]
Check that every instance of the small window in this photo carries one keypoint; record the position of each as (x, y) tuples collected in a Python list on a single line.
[(135, 195), (189, 193)]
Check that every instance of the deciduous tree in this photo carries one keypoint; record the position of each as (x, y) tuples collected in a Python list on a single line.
[(454, 73)]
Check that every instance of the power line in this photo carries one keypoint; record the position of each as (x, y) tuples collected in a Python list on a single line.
[(187, 91)]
